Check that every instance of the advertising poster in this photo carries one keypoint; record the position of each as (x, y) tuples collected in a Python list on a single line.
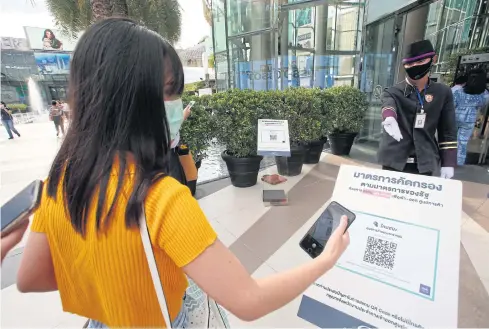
[(52, 63), (402, 266), (48, 39)]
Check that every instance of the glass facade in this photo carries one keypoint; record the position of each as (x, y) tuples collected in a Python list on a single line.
[(272, 44), (452, 26), (18, 67), (457, 25)]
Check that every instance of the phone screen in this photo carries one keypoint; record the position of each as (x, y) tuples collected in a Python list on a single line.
[(190, 104), (317, 237), (23, 202)]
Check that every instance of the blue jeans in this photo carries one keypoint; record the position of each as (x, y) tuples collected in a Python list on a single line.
[(9, 126), (464, 132), (179, 322)]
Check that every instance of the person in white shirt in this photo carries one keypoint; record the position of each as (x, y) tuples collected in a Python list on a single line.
[(66, 110)]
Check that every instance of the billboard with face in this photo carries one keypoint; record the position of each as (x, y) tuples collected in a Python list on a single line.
[(48, 39), (52, 63)]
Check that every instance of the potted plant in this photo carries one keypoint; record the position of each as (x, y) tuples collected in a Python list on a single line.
[(197, 131), (346, 107), (236, 115), (303, 110)]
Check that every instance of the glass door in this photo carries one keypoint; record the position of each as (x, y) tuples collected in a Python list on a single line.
[(379, 70)]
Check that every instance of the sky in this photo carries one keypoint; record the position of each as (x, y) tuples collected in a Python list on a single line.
[(15, 14)]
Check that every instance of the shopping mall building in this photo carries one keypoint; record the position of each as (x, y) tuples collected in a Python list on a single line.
[(275, 44)]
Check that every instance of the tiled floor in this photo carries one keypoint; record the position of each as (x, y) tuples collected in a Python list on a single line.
[(264, 238)]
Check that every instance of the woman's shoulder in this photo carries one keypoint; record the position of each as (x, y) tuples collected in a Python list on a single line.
[(166, 188)]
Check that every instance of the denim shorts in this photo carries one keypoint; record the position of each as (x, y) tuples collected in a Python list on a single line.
[(180, 321)]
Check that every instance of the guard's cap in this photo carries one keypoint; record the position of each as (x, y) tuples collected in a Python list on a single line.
[(418, 50)]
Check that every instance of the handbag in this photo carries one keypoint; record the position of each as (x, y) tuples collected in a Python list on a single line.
[(203, 311)]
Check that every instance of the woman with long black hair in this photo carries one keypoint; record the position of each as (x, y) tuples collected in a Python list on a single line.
[(49, 41), (125, 83), (468, 101)]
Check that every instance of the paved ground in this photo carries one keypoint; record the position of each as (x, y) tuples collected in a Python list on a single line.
[(243, 224)]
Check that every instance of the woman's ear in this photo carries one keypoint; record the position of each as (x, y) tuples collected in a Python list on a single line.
[(435, 59)]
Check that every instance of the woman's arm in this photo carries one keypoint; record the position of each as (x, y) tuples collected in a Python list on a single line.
[(36, 272), (220, 274)]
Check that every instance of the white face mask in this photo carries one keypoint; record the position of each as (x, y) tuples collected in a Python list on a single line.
[(174, 115)]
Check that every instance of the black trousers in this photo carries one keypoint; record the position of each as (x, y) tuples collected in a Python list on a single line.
[(176, 170), (410, 168)]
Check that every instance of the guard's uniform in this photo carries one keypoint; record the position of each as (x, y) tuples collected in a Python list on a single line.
[(419, 147)]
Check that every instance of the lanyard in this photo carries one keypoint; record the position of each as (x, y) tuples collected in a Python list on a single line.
[(421, 98)]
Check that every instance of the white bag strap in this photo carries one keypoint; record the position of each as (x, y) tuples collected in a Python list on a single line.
[(150, 257)]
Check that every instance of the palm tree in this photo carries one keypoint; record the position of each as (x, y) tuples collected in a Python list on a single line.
[(206, 4), (161, 16)]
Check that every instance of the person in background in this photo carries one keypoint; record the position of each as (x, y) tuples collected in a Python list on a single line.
[(56, 115), (111, 169), (8, 121), (176, 169), (468, 101), (459, 83), (66, 110)]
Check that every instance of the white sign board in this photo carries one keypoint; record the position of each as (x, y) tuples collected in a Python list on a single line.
[(402, 266), (205, 91), (273, 138)]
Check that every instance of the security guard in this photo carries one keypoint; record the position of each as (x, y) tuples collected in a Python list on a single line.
[(413, 111)]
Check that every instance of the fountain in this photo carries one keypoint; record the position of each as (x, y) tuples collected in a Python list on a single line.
[(35, 97)]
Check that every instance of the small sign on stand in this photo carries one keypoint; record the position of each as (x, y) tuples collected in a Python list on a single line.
[(273, 140)]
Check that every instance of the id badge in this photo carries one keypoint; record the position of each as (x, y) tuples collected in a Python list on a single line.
[(420, 119)]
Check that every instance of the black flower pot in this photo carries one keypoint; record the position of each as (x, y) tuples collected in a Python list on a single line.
[(291, 166), (341, 143), (313, 151), (192, 185), (242, 171)]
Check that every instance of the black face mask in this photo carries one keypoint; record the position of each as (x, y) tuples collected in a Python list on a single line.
[(417, 72)]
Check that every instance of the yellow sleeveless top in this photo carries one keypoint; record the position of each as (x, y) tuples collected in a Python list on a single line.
[(104, 276)]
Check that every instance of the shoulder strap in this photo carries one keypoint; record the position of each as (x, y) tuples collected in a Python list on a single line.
[(150, 257)]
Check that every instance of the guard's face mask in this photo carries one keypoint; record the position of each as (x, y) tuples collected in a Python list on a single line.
[(416, 71)]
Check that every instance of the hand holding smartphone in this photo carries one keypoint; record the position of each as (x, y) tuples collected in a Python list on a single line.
[(17, 210), (329, 226), (187, 111)]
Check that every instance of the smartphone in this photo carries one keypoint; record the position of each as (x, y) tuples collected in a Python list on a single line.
[(17, 209), (318, 235), (190, 104)]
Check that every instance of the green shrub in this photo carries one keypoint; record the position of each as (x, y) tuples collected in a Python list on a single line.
[(17, 107), (198, 130), (303, 110), (345, 108), (194, 86), (236, 116)]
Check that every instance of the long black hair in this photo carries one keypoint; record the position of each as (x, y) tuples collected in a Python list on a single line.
[(476, 82), (55, 43), (117, 82), (46, 34)]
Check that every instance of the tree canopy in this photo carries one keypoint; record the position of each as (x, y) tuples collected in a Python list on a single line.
[(161, 16)]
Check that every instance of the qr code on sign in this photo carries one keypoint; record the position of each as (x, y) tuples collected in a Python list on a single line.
[(380, 252), (273, 137)]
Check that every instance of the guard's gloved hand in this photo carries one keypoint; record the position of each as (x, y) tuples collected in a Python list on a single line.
[(392, 128), (447, 172)]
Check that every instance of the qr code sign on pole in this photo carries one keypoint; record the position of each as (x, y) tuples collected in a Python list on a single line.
[(380, 252), (273, 137)]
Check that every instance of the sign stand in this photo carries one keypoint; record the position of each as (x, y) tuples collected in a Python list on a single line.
[(273, 140), (401, 269)]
